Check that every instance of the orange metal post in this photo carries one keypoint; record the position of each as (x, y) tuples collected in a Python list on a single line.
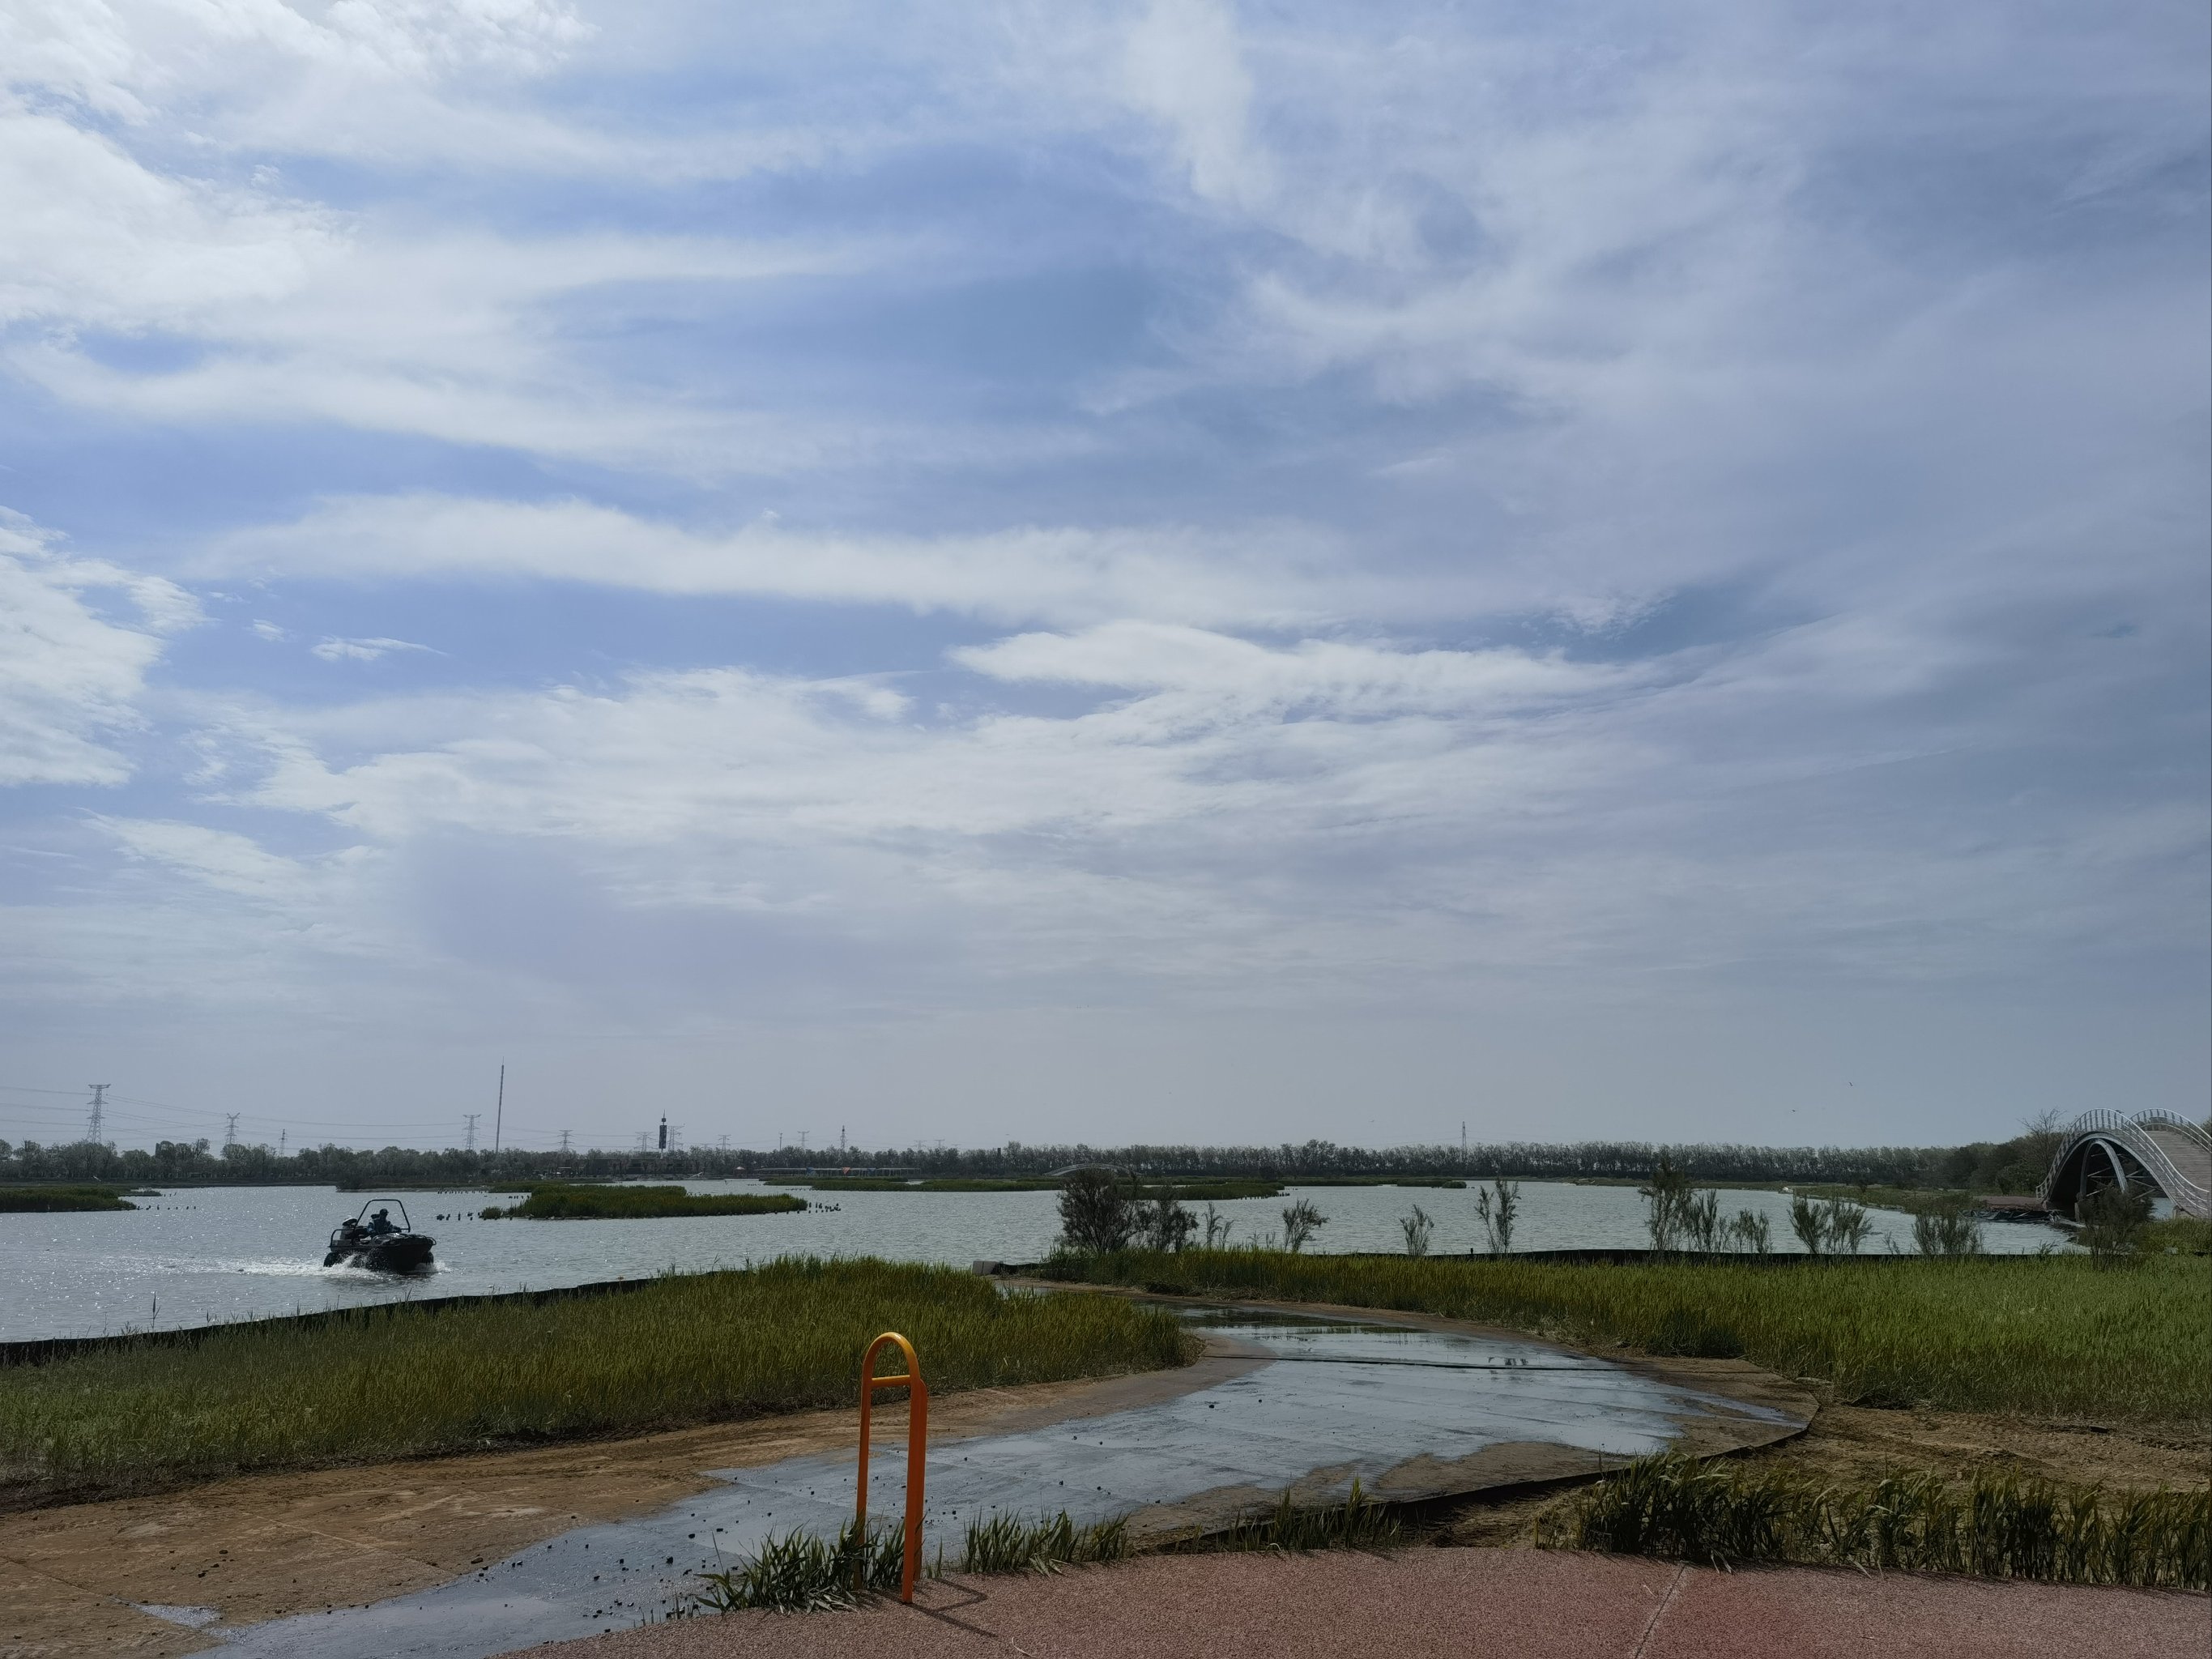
[(917, 1446)]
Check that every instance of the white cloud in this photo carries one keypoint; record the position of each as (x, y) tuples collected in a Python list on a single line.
[(70, 678), (1277, 573), (338, 650), (270, 631)]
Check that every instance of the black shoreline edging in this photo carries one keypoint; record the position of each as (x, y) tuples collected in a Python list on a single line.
[(40, 1350), (1624, 1257)]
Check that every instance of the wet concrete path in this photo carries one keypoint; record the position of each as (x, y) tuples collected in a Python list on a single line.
[(1409, 1412)]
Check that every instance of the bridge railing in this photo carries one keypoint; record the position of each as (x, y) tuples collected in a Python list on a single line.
[(2131, 1133), (2156, 1119)]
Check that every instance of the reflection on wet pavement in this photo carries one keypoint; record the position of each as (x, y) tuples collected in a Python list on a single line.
[(1340, 1401)]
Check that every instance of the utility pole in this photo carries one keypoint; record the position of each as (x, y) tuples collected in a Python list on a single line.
[(471, 1144), (283, 1136), (230, 1128), (499, 1115), (642, 1135), (724, 1143), (565, 1140), (99, 1106), (1463, 1146)]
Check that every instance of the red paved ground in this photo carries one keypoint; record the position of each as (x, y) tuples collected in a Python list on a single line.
[(1446, 1603)]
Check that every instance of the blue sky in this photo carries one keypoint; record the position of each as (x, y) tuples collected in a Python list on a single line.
[(1178, 571)]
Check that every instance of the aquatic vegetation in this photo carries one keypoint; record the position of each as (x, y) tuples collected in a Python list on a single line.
[(41, 1200), (1301, 1221), (801, 1573), (393, 1381), (2112, 1221), (1197, 1189), (1829, 1226), (2046, 1335), (1357, 1523), (1996, 1526), (559, 1201), (1419, 1228), (1497, 1206), (1953, 1229), (1005, 1543)]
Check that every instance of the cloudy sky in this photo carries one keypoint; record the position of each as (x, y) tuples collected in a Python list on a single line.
[(1187, 571)]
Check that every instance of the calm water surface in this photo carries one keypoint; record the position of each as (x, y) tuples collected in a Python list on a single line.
[(195, 1255)]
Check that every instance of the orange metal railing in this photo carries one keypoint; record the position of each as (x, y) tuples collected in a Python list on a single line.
[(917, 1445)]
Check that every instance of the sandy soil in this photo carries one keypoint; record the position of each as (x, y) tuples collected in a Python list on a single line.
[(261, 1546)]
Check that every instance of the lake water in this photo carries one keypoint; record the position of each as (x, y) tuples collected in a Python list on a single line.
[(196, 1255)]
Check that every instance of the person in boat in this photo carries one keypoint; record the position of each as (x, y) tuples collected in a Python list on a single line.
[(380, 1224), (349, 1231)]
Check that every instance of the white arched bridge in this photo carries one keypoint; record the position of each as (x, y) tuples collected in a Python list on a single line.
[(2159, 1151)]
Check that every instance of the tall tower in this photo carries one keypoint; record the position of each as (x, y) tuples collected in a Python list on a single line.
[(230, 1128), (663, 1132), (471, 1144), (99, 1108)]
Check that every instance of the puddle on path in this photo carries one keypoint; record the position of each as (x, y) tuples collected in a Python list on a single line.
[(1340, 1399)]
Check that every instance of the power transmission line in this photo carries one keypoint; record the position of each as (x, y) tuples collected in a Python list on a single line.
[(99, 1105), (472, 1117), (230, 1128)]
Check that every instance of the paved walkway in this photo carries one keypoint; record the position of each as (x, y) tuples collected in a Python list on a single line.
[(1497, 1604)]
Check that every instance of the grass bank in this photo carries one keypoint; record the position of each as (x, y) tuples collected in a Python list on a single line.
[(397, 1382), (561, 1202), (1220, 1189), (2050, 1336), (41, 1200), (1994, 1526)]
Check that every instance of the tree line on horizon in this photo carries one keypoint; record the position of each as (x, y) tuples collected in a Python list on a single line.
[(2016, 1165)]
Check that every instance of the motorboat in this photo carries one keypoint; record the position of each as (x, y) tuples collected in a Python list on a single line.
[(378, 1243)]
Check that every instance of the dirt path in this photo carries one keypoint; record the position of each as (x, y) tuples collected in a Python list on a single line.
[(260, 1547), (1501, 1604)]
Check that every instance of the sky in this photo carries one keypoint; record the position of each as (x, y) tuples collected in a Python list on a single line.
[(1183, 571)]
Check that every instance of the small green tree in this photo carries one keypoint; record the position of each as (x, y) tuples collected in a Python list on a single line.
[(1095, 1212), (1750, 1230), (1301, 1221), (1808, 1223), (1497, 1206), (2112, 1221), (1666, 1201), (1166, 1224), (1948, 1227)]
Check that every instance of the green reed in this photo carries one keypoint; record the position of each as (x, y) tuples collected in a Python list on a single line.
[(1006, 1543), (394, 1380), (1995, 1525), (2046, 1335), (1357, 1523)]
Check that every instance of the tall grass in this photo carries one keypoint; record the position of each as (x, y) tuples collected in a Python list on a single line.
[(801, 1573), (45, 1201), (395, 1381), (1357, 1523), (1996, 1526), (2050, 1335)]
